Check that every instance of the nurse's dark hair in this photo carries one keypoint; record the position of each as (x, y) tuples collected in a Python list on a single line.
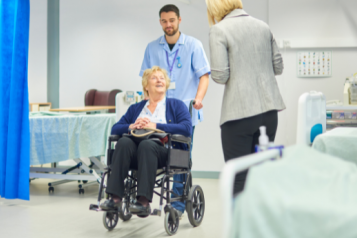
[(170, 8)]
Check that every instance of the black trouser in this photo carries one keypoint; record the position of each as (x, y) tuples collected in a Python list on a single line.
[(239, 138), (146, 156)]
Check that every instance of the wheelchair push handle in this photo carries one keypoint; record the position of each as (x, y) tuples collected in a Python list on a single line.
[(190, 107)]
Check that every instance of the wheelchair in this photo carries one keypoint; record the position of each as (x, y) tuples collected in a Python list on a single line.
[(178, 162)]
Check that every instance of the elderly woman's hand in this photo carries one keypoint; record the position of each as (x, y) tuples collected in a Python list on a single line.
[(151, 125), (140, 123)]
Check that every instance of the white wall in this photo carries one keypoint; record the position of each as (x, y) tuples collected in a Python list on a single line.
[(312, 20), (102, 45), (37, 59), (331, 23)]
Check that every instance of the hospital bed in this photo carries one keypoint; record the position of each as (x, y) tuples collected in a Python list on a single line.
[(226, 182), (56, 137), (306, 193), (340, 142), (313, 125)]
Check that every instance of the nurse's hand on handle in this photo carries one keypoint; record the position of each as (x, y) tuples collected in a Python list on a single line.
[(197, 104)]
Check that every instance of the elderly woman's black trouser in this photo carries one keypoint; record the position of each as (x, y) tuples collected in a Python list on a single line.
[(239, 138), (146, 156)]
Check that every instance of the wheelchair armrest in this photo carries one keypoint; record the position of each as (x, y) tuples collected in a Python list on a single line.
[(114, 138), (181, 139)]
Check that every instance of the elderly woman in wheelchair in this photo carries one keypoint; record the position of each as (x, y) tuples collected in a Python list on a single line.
[(148, 155)]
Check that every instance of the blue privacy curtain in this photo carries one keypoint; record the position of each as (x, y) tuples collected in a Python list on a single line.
[(14, 105)]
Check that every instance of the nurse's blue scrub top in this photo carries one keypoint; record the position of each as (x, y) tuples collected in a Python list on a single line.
[(186, 71)]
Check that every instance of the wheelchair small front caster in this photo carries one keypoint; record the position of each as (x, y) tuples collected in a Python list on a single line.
[(51, 189), (81, 191), (110, 220), (125, 214), (171, 226)]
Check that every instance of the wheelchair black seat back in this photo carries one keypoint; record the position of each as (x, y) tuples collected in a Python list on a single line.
[(178, 162)]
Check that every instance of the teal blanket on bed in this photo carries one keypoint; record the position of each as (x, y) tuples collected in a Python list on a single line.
[(60, 137)]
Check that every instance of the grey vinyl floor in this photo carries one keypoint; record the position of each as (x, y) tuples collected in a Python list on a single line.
[(65, 214)]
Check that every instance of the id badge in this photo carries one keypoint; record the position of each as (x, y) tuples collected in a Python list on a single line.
[(172, 85)]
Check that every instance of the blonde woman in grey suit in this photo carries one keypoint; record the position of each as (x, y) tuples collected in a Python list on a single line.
[(244, 57)]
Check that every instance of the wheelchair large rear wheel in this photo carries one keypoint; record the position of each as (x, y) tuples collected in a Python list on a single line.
[(110, 220), (195, 205), (171, 226)]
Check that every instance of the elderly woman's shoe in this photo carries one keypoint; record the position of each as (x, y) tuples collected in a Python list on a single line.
[(110, 205), (138, 209)]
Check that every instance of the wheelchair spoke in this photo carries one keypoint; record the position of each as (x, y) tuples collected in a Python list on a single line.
[(199, 212), (194, 198), (197, 202)]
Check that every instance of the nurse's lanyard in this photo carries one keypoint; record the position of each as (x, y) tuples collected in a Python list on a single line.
[(168, 62)]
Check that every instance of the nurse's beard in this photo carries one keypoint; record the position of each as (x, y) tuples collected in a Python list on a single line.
[(174, 31)]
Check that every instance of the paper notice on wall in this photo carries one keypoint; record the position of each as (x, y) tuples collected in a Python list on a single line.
[(314, 64)]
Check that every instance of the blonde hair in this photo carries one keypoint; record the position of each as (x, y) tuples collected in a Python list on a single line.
[(218, 9), (147, 74)]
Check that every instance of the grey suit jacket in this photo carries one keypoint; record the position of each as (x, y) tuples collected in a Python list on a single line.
[(245, 57)]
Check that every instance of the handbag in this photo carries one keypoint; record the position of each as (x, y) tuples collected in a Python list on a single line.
[(149, 134)]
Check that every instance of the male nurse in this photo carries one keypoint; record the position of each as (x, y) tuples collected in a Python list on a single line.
[(185, 60)]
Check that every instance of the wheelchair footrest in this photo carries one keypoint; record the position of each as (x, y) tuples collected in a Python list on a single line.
[(156, 212), (94, 207)]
